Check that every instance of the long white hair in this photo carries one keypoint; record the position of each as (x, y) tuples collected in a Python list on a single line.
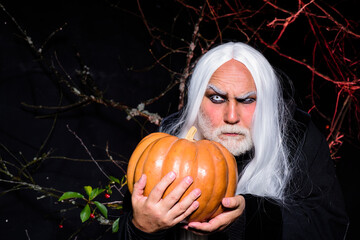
[(268, 172)]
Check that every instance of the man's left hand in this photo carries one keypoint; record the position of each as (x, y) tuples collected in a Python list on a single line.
[(234, 208)]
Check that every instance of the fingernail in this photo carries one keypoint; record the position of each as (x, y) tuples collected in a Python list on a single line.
[(197, 192), (226, 202), (188, 180), (171, 175)]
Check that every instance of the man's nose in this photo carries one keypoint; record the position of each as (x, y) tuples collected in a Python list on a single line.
[(231, 115)]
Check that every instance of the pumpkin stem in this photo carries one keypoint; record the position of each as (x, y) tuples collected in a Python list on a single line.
[(191, 133)]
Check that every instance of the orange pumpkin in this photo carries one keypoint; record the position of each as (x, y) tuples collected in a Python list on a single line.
[(212, 167)]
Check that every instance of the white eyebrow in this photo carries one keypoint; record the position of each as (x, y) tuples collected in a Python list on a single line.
[(223, 93), (246, 95), (217, 90)]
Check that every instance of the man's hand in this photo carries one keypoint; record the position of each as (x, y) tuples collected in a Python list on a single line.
[(152, 213), (235, 207)]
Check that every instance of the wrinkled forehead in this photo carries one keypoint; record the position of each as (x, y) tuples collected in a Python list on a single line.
[(232, 76)]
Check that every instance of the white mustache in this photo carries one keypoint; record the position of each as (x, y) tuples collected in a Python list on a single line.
[(232, 129), (235, 144)]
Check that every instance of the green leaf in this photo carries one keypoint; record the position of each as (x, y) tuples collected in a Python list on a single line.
[(115, 226), (88, 190), (123, 180), (68, 195), (114, 179), (85, 213), (102, 208), (95, 192), (108, 189)]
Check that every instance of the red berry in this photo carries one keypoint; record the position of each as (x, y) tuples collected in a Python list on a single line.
[(92, 215), (107, 195), (61, 226)]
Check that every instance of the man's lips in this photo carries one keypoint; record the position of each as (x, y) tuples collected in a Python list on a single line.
[(231, 134), (227, 136)]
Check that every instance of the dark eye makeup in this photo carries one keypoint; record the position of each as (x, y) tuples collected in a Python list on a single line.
[(216, 98), (247, 100)]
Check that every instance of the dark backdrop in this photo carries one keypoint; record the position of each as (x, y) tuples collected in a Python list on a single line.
[(113, 42)]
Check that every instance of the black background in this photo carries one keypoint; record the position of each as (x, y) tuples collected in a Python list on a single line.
[(114, 43)]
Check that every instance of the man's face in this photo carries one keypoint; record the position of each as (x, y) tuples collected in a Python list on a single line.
[(228, 106)]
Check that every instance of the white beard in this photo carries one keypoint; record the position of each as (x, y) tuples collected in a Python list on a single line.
[(237, 145)]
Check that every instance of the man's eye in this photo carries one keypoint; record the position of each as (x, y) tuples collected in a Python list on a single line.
[(216, 99), (247, 100)]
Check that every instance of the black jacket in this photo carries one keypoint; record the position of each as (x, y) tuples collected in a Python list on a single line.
[(314, 208)]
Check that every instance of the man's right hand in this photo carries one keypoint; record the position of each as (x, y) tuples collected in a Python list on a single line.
[(152, 213)]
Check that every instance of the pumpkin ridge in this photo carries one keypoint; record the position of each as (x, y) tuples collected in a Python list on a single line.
[(170, 163), (225, 152), (219, 207), (190, 162), (163, 173), (151, 183), (139, 168), (232, 175), (226, 163), (217, 177), (213, 189), (134, 159), (206, 197), (194, 174)]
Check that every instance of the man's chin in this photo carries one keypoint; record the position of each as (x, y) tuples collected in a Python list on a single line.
[(237, 147)]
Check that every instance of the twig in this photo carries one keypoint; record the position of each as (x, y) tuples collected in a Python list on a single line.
[(87, 151), (47, 191), (51, 36), (341, 27), (287, 21), (189, 57), (27, 234)]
